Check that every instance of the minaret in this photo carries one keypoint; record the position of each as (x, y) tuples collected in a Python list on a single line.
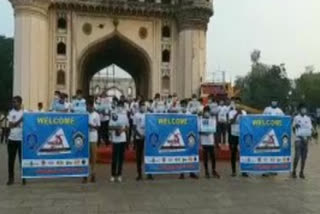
[(193, 18), (31, 51)]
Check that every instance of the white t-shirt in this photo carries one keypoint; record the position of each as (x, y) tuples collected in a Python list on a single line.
[(207, 128), (194, 106), (273, 111), (235, 127), (158, 107), (305, 126), (214, 108), (121, 121), (94, 120), (222, 115), (139, 122), (16, 132)]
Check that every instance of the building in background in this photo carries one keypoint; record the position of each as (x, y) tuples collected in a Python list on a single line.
[(62, 44)]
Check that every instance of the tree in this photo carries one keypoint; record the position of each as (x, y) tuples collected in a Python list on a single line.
[(263, 84), (6, 72), (307, 88)]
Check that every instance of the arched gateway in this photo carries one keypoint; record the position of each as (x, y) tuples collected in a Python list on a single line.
[(61, 44)]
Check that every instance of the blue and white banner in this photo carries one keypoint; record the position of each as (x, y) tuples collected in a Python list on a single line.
[(265, 144), (171, 144), (55, 145)]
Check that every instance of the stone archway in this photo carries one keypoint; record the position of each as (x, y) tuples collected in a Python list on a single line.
[(118, 50)]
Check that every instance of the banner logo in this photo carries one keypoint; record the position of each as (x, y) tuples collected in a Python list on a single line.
[(56, 144)]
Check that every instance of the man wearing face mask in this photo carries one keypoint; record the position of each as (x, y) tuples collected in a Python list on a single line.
[(213, 105), (303, 129), (139, 133), (79, 103), (194, 105), (56, 99), (273, 110), (234, 121), (118, 125), (158, 106), (184, 110), (222, 122), (174, 104)]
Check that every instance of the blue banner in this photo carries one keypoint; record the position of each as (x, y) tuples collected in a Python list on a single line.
[(265, 144), (172, 144), (55, 145)]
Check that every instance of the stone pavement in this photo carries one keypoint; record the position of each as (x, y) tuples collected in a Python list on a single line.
[(166, 194)]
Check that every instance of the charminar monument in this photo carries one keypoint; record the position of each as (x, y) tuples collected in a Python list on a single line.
[(61, 44)]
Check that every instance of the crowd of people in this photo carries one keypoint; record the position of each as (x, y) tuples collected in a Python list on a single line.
[(120, 122)]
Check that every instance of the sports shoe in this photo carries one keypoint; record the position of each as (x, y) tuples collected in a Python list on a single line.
[(93, 179), (139, 178), (112, 179), (24, 181), (181, 177), (194, 176), (233, 174), (84, 180), (215, 174), (10, 182), (150, 177), (119, 179), (245, 175), (294, 175), (302, 175)]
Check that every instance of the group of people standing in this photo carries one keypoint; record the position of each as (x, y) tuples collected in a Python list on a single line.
[(118, 121)]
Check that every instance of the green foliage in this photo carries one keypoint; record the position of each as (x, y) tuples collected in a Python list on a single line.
[(308, 89), (264, 84), (6, 72)]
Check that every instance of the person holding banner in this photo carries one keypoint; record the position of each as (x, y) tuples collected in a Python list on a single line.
[(184, 110), (94, 124), (79, 103), (272, 110), (303, 130), (139, 133), (207, 128), (118, 125), (15, 119), (234, 121)]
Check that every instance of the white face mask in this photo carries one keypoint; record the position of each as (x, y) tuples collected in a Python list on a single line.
[(206, 114)]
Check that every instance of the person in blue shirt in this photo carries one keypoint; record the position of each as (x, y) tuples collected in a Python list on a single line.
[(79, 103)]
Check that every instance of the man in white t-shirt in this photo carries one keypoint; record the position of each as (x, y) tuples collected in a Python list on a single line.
[(184, 110), (139, 133), (273, 110), (207, 128), (158, 105), (303, 130), (222, 122), (15, 119), (94, 124), (119, 125), (235, 114), (194, 106), (104, 107)]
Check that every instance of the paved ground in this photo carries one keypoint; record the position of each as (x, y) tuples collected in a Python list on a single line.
[(166, 194)]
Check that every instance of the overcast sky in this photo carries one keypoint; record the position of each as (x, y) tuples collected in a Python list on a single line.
[(286, 31)]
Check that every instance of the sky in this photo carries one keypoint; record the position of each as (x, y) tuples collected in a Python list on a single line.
[(285, 31)]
